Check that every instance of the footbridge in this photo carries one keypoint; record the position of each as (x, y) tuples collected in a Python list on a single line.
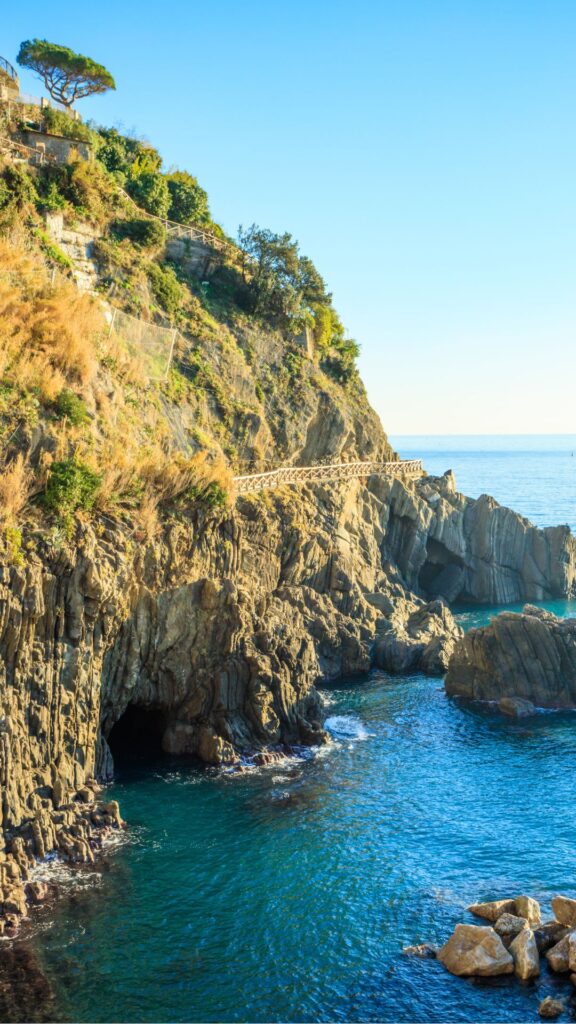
[(326, 473)]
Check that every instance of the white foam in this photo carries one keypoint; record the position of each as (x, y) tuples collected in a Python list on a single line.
[(346, 727)]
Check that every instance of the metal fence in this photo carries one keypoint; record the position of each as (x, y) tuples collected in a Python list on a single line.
[(7, 67), (152, 346), (25, 100)]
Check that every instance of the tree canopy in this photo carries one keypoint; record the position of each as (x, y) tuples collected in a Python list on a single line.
[(68, 76)]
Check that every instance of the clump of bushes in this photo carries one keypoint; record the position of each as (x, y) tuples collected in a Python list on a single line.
[(71, 485), (147, 233), (150, 191), (68, 406), (166, 288)]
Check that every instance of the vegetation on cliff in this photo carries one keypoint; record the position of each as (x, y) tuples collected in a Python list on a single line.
[(83, 429)]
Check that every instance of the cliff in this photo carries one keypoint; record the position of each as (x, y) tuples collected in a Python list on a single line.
[(142, 605)]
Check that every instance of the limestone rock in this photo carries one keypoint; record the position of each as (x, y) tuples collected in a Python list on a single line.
[(498, 660), (494, 909), (476, 950), (525, 954), (558, 956), (510, 924), (551, 1008), (565, 910), (529, 908)]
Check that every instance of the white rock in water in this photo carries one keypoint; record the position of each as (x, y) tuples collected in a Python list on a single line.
[(475, 950)]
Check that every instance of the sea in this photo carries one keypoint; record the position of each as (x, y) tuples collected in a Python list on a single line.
[(287, 893)]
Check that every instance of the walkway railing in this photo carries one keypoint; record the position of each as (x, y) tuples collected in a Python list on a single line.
[(176, 230), (7, 67), (325, 474)]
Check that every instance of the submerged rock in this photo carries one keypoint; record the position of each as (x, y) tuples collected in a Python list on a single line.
[(476, 950), (551, 1008), (531, 656), (424, 951), (516, 707)]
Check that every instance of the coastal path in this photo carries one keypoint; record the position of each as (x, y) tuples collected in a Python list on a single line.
[(326, 473)]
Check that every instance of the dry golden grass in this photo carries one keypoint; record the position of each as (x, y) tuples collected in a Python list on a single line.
[(16, 484), (48, 335)]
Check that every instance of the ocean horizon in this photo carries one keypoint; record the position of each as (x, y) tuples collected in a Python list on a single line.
[(535, 474)]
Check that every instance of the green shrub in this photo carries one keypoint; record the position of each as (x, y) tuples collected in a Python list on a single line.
[(13, 538), (166, 287), (189, 202), (52, 199), (212, 495), (71, 408), (71, 485), (148, 233), (20, 187), (52, 251), (58, 123), (150, 191)]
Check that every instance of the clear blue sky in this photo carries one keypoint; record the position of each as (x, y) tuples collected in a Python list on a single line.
[(423, 152)]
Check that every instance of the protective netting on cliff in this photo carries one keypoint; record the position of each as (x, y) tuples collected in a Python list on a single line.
[(150, 345)]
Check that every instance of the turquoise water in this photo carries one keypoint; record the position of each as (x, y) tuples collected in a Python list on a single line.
[(287, 893)]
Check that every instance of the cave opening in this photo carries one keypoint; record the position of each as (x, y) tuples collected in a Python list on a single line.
[(137, 735), (442, 574)]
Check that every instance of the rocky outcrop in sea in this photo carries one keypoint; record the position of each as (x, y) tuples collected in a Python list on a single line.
[(519, 661)]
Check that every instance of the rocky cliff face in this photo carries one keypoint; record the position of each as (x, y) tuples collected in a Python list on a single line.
[(531, 656), (206, 642), (447, 545), (204, 635)]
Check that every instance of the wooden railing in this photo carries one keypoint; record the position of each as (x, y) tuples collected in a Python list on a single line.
[(325, 473)]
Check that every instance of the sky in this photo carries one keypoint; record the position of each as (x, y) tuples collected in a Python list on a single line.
[(423, 153)]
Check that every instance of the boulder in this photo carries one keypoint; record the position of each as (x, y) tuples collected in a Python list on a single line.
[(525, 954), (549, 934), (497, 661), (551, 1008), (493, 910), (529, 908), (37, 892), (418, 641), (565, 910), (558, 956), (510, 924), (475, 950)]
